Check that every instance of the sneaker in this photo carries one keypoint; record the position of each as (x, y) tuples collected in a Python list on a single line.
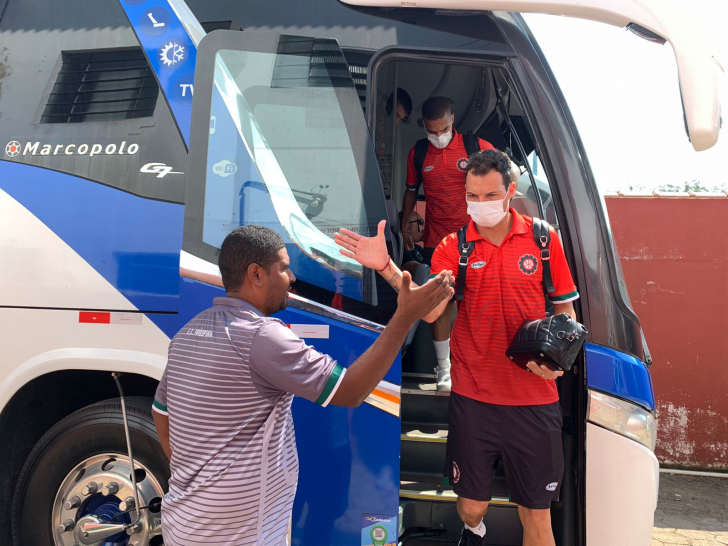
[(468, 538), (443, 379)]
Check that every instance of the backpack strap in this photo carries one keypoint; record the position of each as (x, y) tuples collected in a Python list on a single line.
[(419, 158), (466, 249), (542, 236), (472, 143)]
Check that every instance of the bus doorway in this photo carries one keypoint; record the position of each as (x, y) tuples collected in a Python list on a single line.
[(485, 101)]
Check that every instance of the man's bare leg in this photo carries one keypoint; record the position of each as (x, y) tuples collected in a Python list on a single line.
[(472, 513), (536, 527)]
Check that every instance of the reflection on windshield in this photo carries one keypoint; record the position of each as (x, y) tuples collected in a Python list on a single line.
[(287, 209)]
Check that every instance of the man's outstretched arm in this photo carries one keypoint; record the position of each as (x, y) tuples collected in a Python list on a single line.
[(372, 252)]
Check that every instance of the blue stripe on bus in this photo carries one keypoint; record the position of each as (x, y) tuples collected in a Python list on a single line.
[(133, 242), (619, 374)]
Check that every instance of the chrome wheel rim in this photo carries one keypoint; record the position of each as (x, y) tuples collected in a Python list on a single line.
[(78, 498)]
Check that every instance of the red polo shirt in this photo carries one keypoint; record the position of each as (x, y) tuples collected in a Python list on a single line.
[(502, 288), (443, 176)]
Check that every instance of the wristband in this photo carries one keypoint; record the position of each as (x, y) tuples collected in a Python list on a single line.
[(389, 262)]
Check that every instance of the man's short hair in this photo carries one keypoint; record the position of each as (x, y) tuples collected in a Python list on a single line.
[(403, 98), (436, 108), (481, 163), (243, 247)]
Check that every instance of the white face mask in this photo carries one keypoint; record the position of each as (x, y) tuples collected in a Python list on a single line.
[(487, 213), (440, 141)]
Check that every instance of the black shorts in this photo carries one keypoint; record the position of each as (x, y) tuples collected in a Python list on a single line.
[(526, 438)]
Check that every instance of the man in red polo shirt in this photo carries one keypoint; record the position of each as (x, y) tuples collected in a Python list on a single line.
[(497, 410), (443, 177)]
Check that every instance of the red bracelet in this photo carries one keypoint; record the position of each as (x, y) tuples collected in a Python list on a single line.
[(389, 262)]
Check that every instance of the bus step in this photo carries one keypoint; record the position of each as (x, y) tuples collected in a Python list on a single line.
[(422, 452), (422, 403)]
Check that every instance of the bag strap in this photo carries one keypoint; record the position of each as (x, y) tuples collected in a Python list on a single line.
[(466, 249), (472, 143), (419, 158), (542, 236)]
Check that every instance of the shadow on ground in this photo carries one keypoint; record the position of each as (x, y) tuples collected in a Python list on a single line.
[(691, 511)]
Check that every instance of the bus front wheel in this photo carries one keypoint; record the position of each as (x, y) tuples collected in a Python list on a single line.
[(80, 470)]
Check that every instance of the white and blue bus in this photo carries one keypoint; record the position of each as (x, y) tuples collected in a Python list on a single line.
[(137, 133)]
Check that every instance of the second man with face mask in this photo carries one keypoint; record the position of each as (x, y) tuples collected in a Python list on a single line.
[(442, 176)]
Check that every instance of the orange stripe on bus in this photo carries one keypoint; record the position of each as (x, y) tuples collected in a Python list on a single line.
[(386, 396)]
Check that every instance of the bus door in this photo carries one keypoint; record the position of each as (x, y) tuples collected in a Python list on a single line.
[(278, 138)]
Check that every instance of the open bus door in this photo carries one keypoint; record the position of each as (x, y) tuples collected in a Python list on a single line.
[(699, 69)]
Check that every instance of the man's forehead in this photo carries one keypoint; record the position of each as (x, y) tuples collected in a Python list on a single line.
[(485, 183)]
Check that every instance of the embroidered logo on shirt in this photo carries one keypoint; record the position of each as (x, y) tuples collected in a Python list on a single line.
[(552, 486), (462, 163), (528, 264), (428, 169), (477, 265)]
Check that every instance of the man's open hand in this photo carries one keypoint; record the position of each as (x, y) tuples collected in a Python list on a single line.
[(370, 252), (414, 303)]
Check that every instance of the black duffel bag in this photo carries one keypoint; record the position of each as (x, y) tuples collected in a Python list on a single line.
[(552, 341)]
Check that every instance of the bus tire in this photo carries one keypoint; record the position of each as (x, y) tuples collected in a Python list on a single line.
[(86, 435)]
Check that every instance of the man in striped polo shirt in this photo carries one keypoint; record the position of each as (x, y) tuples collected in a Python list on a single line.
[(497, 410), (223, 407)]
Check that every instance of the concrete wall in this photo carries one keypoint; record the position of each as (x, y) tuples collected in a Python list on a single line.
[(674, 253)]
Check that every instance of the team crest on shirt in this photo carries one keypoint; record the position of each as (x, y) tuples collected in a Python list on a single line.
[(428, 168), (528, 264), (462, 163), (455, 472)]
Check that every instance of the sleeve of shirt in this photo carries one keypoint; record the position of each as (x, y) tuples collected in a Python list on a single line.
[(485, 145), (565, 289), (281, 362), (412, 183), (160, 397), (446, 256)]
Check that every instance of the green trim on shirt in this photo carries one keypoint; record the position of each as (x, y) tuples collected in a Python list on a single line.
[(160, 407), (565, 298), (330, 384)]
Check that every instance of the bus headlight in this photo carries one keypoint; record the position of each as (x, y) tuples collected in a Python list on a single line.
[(629, 420)]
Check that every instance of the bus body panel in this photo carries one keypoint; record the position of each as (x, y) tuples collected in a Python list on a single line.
[(622, 480)]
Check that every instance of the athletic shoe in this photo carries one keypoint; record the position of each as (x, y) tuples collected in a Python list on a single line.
[(468, 538), (443, 379)]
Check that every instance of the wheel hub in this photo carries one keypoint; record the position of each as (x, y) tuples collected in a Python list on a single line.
[(97, 496)]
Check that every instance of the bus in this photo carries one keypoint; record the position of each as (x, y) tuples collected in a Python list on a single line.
[(137, 133)]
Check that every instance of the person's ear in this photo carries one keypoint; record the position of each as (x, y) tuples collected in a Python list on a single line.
[(452, 119), (255, 275)]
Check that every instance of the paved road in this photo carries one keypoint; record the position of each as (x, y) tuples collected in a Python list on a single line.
[(691, 511)]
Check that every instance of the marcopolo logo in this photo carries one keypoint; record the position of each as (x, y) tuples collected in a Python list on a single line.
[(15, 148)]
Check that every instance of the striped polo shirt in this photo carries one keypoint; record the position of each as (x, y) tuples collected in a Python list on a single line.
[(227, 389), (503, 287)]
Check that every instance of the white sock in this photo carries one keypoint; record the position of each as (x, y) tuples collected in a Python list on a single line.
[(479, 530), (442, 350)]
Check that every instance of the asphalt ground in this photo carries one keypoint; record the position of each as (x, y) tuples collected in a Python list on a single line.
[(691, 511)]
